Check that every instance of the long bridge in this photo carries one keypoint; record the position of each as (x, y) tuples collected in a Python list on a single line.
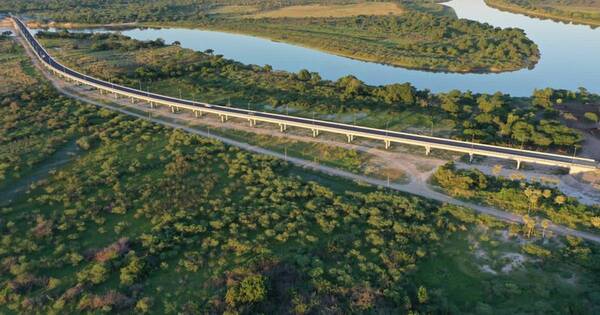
[(574, 164)]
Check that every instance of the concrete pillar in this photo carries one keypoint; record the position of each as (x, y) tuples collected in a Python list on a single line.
[(223, 118), (427, 150), (151, 104), (132, 100), (172, 109), (387, 144), (518, 164), (471, 157), (101, 91), (252, 122), (315, 132), (196, 113), (116, 96), (350, 137), (574, 170), (282, 127)]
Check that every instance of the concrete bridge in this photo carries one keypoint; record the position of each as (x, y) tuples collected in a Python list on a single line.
[(574, 164)]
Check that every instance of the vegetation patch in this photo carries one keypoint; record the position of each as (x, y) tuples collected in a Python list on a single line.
[(415, 40), (575, 11), (153, 220), (528, 200)]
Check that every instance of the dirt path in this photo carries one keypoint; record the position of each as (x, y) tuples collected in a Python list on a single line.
[(417, 185), (61, 157)]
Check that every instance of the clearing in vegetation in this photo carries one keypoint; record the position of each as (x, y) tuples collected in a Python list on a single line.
[(340, 10)]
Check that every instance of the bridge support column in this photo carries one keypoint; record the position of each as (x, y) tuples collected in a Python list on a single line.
[(172, 109), (518, 164), (428, 151), (574, 170), (282, 127), (350, 137), (315, 133), (223, 118), (197, 113), (101, 91), (116, 95), (471, 157), (151, 104), (132, 100), (387, 144), (252, 122)]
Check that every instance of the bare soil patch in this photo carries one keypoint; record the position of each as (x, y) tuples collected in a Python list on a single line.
[(368, 8)]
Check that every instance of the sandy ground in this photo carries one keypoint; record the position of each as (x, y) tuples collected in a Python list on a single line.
[(411, 164)]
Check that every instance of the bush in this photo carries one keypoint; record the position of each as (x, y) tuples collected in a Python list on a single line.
[(593, 117), (251, 289)]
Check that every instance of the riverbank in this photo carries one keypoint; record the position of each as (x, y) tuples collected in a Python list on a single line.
[(504, 6)]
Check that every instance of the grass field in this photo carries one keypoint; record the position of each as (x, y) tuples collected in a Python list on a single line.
[(342, 10)]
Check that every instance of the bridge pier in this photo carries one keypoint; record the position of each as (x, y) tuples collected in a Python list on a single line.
[(282, 127), (223, 118), (387, 144), (132, 100), (428, 151), (574, 170), (471, 157), (518, 164), (315, 132), (151, 104), (350, 137), (252, 122), (197, 113)]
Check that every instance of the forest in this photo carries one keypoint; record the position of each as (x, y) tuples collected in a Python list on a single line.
[(576, 11), (422, 38), (148, 219), (493, 119)]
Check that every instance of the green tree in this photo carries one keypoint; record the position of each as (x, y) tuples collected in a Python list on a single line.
[(422, 295), (251, 289)]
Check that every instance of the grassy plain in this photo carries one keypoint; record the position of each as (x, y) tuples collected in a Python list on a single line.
[(339, 10)]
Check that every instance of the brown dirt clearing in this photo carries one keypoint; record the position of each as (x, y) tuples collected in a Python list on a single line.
[(299, 11)]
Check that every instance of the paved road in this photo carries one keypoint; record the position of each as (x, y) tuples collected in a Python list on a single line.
[(401, 137)]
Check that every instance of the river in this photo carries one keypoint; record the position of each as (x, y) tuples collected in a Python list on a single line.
[(569, 55)]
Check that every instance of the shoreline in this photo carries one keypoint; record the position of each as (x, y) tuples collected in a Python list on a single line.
[(532, 62), (540, 15)]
